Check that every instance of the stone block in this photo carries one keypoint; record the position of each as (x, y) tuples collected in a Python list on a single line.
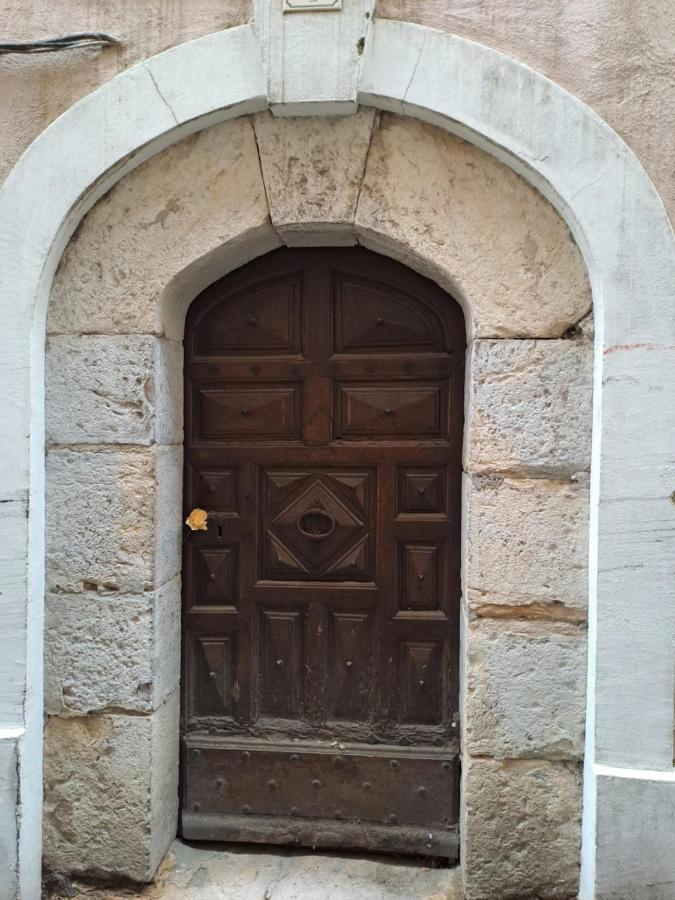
[(168, 512), (521, 829), (176, 208), (525, 693), (98, 653), (102, 776), (478, 227), (119, 389), (104, 652), (164, 776), (110, 528), (168, 398), (530, 407), (166, 630), (313, 62), (527, 547), (312, 169)]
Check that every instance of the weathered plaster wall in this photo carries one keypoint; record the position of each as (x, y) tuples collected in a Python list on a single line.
[(37, 89), (616, 55), (114, 408)]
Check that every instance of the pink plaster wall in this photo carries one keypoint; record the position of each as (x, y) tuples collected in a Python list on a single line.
[(36, 89), (618, 56)]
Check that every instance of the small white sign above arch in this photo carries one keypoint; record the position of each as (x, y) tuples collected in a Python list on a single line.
[(311, 5)]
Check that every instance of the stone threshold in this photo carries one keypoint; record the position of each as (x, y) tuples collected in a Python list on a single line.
[(192, 871)]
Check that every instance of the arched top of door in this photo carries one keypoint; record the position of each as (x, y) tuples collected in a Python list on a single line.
[(377, 303)]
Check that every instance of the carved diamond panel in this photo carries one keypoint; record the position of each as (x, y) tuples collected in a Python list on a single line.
[(214, 489), (317, 525), (421, 490), (388, 412), (214, 581), (212, 664)]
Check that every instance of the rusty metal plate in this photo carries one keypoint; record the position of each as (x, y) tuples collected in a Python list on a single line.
[(386, 798)]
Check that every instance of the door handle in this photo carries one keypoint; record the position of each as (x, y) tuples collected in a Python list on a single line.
[(197, 520), (316, 524)]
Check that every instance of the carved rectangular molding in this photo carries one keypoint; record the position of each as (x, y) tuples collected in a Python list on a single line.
[(311, 5), (302, 78)]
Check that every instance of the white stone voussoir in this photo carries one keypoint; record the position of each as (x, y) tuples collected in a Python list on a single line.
[(313, 62)]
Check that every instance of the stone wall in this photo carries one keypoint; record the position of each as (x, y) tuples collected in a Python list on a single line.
[(114, 432)]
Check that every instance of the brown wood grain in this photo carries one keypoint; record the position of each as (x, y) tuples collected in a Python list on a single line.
[(323, 428)]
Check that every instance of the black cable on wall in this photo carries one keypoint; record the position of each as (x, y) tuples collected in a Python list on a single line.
[(69, 42)]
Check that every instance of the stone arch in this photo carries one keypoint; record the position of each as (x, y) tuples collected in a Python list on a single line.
[(560, 146), (114, 414)]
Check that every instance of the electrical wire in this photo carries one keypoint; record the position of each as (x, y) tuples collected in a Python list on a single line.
[(69, 42)]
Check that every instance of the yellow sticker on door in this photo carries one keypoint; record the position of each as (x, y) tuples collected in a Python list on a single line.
[(197, 520)]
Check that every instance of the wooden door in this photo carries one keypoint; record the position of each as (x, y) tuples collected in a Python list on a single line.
[(323, 429)]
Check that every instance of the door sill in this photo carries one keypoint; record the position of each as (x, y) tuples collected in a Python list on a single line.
[(299, 832)]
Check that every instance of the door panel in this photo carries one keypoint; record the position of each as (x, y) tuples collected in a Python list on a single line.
[(264, 319), (317, 524), (212, 671), (215, 489), (420, 579), (213, 579), (280, 688), (373, 316), (350, 658), (420, 682), (281, 794), (248, 412), (385, 411), (323, 393), (421, 491)]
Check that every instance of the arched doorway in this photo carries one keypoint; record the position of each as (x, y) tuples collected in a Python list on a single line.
[(323, 434)]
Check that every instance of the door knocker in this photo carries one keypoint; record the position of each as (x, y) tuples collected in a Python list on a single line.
[(316, 524)]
